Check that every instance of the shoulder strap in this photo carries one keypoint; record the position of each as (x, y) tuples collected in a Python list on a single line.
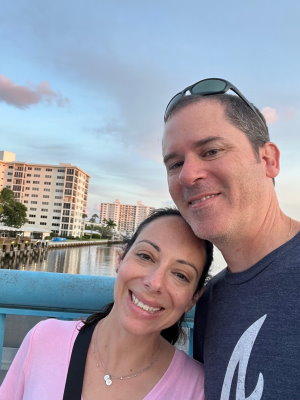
[(74, 381)]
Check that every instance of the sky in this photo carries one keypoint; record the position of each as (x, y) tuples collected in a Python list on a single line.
[(87, 83)]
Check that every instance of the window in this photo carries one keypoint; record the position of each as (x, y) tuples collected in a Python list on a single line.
[(37, 169), (44, 209), (37, 175), (70, 171), (57, 204), (60, 177), (56, 211), (47, 183), (17, 188), (43, 223), (31, 215), (34, 195), (44, 216), (55, 224), (35, 182), (45, 203), (28, 175), (33, 209), (46, 190), (59, 184), (29, 168), (25, 201), (68, 192), (18, 174), (48, 169), (35, 188), (46, 196), (58, 197), (60, 170), (55, 217), (33, 202), (48, 176), (58, 190)]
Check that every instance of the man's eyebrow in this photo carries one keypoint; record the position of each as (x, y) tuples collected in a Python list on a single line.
[(188, 263), (151, 243), (198, 143)]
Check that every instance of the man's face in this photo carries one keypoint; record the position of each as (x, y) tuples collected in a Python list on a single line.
[(214, 176)]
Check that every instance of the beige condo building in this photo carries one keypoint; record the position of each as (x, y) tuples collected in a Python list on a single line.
[(55, 195), (126, 217)]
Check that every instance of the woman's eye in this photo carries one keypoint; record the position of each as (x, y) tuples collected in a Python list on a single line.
[(144, 256), (182, 276)]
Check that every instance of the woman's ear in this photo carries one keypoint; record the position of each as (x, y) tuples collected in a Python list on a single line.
[(195, 298), (120, 254)]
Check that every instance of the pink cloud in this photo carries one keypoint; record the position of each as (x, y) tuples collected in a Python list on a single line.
[(270, 114), (26, 96)]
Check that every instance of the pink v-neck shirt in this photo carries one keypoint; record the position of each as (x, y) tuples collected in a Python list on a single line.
[(40, 368)]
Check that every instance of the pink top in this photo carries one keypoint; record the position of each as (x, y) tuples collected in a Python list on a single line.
[(40, 368)]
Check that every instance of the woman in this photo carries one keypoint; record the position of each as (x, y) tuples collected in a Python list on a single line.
[(130, 354)]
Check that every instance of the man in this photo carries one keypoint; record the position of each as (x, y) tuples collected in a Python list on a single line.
[(221, 167)]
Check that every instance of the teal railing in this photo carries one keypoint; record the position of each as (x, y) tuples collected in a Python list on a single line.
[(63, 296)]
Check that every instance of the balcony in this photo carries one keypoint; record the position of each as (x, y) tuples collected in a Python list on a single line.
[(55, 295)]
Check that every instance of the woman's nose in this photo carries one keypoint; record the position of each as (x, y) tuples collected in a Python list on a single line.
[(154, 280)]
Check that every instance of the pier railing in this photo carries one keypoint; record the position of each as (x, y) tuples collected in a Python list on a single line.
[(56, 295)]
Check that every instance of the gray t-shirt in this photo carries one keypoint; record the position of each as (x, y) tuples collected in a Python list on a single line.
[(247, 330)]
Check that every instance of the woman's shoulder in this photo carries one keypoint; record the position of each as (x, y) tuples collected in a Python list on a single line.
[(189, 365), (54, 331)]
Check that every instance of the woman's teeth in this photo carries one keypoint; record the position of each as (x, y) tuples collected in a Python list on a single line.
[(143, 306)]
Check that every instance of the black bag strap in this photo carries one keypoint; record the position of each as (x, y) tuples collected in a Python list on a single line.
[(74, 381)]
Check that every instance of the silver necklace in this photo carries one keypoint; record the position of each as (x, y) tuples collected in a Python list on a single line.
[(108, 377)]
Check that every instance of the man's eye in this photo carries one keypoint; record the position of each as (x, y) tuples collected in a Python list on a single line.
[(173, 166), (212, 152)]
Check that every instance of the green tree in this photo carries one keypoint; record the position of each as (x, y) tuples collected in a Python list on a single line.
[(110, 223), (12, 212)]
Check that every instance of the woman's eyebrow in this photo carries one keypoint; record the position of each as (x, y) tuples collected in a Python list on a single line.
[(188, 263), (151, 243)]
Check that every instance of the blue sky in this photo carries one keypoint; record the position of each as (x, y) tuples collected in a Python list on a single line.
[(87, 83)]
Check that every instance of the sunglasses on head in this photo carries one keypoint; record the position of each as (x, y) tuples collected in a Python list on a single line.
[(208, 87)]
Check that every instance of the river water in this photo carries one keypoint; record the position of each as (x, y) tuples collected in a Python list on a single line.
[(86, 260)]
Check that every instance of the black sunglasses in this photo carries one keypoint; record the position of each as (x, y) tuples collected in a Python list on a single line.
[(207, 87)]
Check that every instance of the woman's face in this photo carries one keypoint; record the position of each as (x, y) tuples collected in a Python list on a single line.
[(158, 277)]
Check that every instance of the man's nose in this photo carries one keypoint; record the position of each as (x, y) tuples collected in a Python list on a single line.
[(192, 170)]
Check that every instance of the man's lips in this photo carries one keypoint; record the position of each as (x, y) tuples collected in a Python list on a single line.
[(201, 199)]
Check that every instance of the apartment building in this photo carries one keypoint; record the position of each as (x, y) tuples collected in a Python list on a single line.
[(55, 195), (126, 217)]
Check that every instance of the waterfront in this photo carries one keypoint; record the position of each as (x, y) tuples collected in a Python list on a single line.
[(85, 260)]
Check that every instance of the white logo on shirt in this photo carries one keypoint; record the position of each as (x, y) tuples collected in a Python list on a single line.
[(240, 357)]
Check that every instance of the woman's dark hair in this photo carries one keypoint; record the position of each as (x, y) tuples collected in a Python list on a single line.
[(174, 332)]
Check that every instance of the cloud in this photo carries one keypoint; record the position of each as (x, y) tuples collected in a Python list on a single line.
[(26, 96), (270, 114)]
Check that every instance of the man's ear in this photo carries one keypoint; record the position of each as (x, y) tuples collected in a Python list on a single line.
[(270, 155)]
